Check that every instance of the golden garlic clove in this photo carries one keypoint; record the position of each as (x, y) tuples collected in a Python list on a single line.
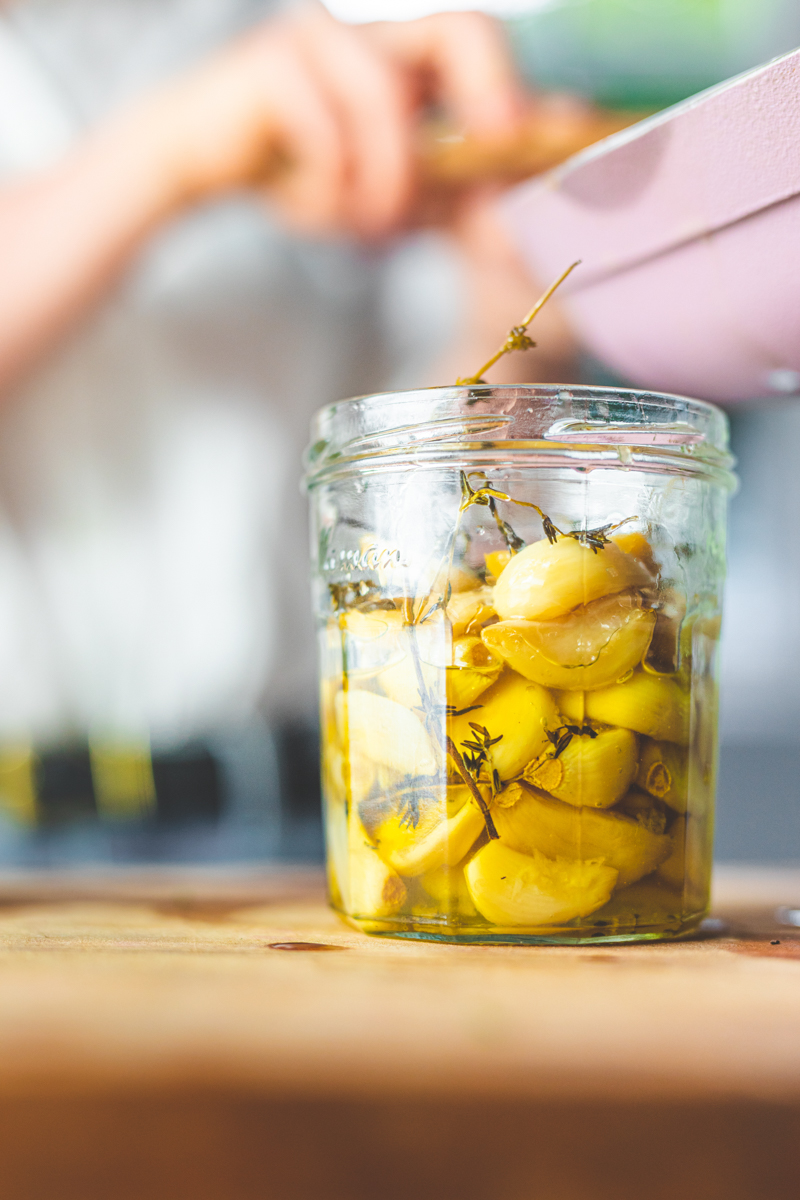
[(593, 771), (572, 706), (590, 647), (461, 669), (370, 640), (400, 681), (375, 890), (663, 772), (637, 545), (447, 888), (536, 822), (384, 732), (510, 888), (664, 655), (645, 809), (545, 581), (434, 842), (496, 562), (417, 650), (360, 882), (673, 869), (654, 705), (474, 668), (347, 779), (649, 906), (457, 579), (516, 711), (360, 777), (468, 611), (688, 867)]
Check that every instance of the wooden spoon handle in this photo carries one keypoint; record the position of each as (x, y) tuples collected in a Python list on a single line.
[(447, 160), (546, 139)]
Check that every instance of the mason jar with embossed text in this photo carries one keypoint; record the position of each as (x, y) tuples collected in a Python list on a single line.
[(518, 593)]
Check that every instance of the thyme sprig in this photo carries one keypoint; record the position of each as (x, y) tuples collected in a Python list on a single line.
[(479, 753), (560, 738), (409, 811), (452, 711), (593, 539), (517, 337), (461, 767), (488, 495), (482, 743), (432, 718)]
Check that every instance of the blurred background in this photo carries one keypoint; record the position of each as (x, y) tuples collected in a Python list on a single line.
[(158, 703)]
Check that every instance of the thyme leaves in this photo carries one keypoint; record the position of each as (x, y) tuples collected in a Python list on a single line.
[(452, 711), (486, 494), (477, 754), (472, 784), (560, 738), (593, 539), (432, 718)]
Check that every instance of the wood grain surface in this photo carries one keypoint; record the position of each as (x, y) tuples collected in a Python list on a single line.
[(154, 1043)]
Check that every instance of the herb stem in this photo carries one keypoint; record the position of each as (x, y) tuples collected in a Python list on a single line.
[(453, 751), (517, 338)]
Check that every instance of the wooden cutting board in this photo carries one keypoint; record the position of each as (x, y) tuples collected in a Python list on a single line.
[(154, 1042)]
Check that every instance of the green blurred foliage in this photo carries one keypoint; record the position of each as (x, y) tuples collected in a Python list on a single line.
[(649, 53)]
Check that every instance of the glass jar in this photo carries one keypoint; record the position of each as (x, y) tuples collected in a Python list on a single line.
[(518, 594)]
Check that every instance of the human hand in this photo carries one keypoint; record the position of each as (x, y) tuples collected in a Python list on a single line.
[(322, 116)]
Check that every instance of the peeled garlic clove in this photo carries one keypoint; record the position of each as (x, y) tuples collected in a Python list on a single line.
[(590, 647), (468, 611), (463, 669), (360, 777), (474, 668), (360, 882), (653, 705), (647, 906), (347, 778), (594, 772), (663, 772), (545, 581), (517, 711), (423, 649), (370, 639), (400, 681), (688, 867), (496, 561), (535, 822), (384, 732), (447, 888), (673, 869), (375, 890), (432, 843), (637, 545), (572, 706), (509, 888), (664, 652)]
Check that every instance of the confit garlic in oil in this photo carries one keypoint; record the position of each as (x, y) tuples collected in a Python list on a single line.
[(504, 758)]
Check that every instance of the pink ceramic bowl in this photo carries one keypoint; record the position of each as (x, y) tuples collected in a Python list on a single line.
[(688, 225)]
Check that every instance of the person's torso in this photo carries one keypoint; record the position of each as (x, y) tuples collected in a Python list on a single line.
[(153, 560)]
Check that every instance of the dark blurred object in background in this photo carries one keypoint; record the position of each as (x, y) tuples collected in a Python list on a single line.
[(246, 795), (758, 795)]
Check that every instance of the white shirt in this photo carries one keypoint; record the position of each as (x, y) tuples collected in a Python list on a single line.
[(153, 551)]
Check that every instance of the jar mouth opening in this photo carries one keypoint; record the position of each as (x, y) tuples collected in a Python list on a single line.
[(530, 424)]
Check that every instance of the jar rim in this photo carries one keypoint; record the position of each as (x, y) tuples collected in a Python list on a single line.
[(576, 425)]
